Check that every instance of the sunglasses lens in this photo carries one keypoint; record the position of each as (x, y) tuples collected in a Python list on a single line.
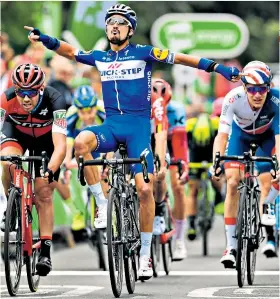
[(119, 21), (29, 93), (254, 89)]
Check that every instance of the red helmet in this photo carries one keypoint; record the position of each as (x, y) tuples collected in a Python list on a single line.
[(27, 76), (161, 88), (217, 107)]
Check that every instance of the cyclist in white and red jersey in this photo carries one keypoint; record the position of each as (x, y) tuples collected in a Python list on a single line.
[(250, 113)]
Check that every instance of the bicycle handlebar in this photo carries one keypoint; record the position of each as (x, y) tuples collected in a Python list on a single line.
[(247, 157), (179, 163), (112, 162)]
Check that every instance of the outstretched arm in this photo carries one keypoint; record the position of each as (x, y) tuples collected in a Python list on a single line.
[(52, 43)]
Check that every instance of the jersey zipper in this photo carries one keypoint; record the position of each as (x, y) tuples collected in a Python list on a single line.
[(117, 93), (32, 125), (254, 124)]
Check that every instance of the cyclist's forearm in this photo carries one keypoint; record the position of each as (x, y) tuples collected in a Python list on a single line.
[(66, 50), (57, 158), (220, 144), (69, 152), (161, 145)]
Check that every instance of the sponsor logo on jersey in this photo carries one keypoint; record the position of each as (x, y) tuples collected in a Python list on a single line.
[(29, 124), (59, 118), (231, 100), (263, 116), (158, 108), (2, 114), (224, 123), (149, 77), (145, 152), (160, 54), (85, 52), (140, 46), (225, 109), (126, 70), (44, 111), (275, 100)]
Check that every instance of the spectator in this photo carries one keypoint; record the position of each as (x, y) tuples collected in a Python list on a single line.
[(63, 73)]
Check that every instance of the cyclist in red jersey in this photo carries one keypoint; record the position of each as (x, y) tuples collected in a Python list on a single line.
[(33, 118), (168, 126)]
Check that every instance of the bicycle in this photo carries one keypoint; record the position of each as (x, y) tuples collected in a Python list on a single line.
[(206, 207), (165, 240), (96, 237), (18, 224), (248, 230), (123, 227)]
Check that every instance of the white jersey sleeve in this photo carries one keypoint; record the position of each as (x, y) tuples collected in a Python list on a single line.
[(227, 114)]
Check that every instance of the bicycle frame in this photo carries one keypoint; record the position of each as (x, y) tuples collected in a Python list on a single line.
[(27, 200)]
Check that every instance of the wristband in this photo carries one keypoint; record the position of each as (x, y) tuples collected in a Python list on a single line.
[(49, 42), (206, 65)]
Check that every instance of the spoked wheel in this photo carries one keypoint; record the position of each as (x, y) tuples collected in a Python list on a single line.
[(242, 241), (115, 248), (13, 246), (155, 254), (100, 239), (167, 252), (254, 243), (31, 261), (129, 270), (129, 255)]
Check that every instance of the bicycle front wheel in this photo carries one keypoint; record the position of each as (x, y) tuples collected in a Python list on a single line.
[(114, 242), (242, 241), (13, 245), (31, 261), (254, 240)]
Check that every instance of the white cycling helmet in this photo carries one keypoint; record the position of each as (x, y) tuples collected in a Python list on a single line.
[(258, 73), (124, 10)]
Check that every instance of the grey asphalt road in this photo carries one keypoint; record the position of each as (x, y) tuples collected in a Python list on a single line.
[(75, 275)]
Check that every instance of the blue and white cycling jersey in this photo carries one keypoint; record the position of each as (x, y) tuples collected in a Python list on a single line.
[(236, 108), (246, 125), (126, 76)]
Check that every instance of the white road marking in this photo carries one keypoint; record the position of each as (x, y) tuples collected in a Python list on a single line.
[(243, 291), (161, 273), (209, 293), (45, 289)]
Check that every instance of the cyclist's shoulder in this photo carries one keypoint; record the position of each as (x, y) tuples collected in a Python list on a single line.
[(190, 123), (236, 94), (72, 111), (8, 94), (274, 96), (51, 93)]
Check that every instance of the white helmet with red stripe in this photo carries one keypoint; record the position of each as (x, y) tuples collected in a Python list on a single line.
[(257, 73)]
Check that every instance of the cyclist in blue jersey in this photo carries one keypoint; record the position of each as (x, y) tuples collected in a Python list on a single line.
[(250, 113), (85, 112), (125, 72)]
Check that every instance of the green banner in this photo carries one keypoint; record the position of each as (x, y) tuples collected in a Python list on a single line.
[(51, 21), (88, 21), (210, 35)]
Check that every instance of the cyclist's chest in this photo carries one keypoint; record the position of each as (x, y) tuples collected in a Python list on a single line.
[(121, 67)]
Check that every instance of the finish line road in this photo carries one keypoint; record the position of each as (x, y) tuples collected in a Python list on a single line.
[(75, 275)]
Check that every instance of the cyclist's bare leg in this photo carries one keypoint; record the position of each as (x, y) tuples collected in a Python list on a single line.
[(6, 166), (44, 205), (180, 201), (85, 143), (160, 188), (191, 208), (231, 205), (265, 183), (63, 190)]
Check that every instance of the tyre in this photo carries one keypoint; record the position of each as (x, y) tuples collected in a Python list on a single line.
[(155, 254), (167, 247), (31, 261), (129, 273), (13, 245), (242, 242), (100, 239), (114, 246), (252, 250)]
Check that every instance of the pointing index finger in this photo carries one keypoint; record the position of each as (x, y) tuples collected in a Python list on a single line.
[(28, 28)]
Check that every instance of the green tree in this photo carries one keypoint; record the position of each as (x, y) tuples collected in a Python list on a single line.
[(14, 15)]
